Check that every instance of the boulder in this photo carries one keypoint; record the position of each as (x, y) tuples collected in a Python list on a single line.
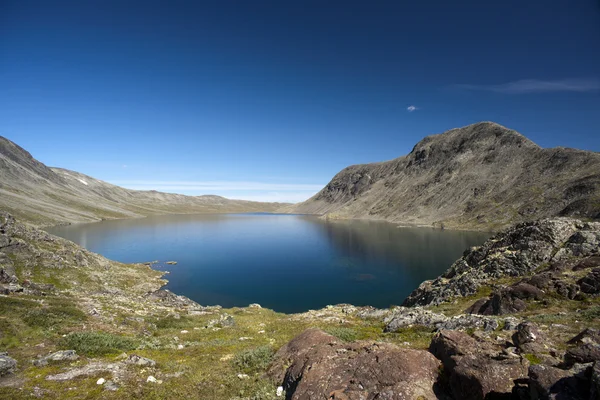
[(315, 365), (528, 338), (584, 353), (547, 382), (588, 335), (508, 300), (479, 377), (586, 263), (7, 365), (141, 361), (590, 283), (475, 369)]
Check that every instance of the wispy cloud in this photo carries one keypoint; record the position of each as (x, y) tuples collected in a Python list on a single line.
[(243, 190), (538, 86), (214, 185), (411, 108)]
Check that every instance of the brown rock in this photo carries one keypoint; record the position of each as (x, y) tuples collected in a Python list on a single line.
[(547, 382), (478, 377), (315, 365)]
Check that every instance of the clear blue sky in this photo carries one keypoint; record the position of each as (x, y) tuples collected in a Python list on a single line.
[(268, 100)]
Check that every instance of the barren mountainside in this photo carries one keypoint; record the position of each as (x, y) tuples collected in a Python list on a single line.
[(47, 196), (482, 176)]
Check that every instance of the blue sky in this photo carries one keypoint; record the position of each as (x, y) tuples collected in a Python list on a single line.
[(268, 100)]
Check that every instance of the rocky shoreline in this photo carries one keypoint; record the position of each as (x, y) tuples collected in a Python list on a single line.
[(517, 318)]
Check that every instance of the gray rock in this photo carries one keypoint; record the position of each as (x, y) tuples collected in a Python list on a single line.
[(7, 365), (62, 355), (518, 251), (111, 386), (141, 361), (551, 383)]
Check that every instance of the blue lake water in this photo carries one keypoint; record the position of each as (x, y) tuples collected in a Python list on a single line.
[(290, 263)]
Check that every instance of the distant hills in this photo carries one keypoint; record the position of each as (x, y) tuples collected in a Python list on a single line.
[(482, 176), (46, 196)]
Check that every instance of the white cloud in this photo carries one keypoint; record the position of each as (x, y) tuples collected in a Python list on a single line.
[(538, 86), (411, 108)]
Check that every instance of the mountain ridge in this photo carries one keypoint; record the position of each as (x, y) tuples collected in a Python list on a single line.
[(482, 176), (43, 195)]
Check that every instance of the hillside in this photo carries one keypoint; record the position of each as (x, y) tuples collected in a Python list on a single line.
[(47, 196), (482, 176)]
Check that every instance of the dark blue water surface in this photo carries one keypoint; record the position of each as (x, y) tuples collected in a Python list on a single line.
[(289, 263)]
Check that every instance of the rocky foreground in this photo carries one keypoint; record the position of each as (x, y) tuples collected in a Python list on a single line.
[(517, 318)]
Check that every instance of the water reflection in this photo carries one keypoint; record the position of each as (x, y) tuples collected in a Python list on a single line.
[(285, 262)]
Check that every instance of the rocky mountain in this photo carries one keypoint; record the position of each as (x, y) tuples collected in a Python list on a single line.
[(46, 196), (482, 176)]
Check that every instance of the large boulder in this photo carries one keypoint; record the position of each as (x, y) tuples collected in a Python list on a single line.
[(508, 300), (590, 283), (475, 370), (315, 365), (552, 383)]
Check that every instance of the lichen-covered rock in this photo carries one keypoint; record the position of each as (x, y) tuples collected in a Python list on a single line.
[(8, 365), (315, 365), (141, 361), (528, 338), (402, 317), (62, 355), (518, 251)]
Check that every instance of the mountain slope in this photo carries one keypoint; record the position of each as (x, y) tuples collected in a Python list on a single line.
[(482, 176), (47, 196)]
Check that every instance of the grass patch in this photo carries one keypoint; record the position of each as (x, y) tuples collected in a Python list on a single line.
[(591, 314), (345, 334), (533, 359), (254, 360), (51, 317), (171, 322), (98, 343)]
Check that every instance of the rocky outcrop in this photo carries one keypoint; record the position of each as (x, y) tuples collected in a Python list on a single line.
[(518, 251), (482, 176), (403, 317), (315, 365)]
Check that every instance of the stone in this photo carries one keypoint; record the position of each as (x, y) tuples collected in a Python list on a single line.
[(140, 361), (478, 377), (100, 381), (316, 365), (111, 386), (528, 338), (590, 284), (63, 355), (8, 365), (254, 305), (582, 354), (547, 382)]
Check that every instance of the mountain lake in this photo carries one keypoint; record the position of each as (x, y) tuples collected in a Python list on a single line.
[(289, 263)]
